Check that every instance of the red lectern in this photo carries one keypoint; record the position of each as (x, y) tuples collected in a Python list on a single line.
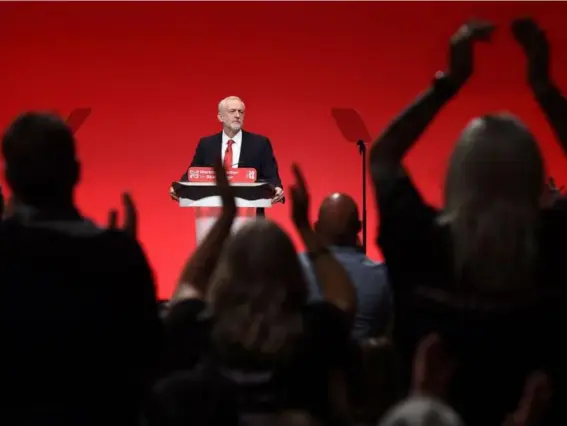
[(201, 193)]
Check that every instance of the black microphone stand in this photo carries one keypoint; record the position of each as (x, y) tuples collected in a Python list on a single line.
[(362, 149)]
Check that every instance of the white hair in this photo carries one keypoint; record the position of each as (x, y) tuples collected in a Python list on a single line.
[(421, 411), (222, 104)]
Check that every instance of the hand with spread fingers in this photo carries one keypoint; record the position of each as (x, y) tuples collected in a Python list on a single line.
[(130, 224), (535, 45), (300, 200), (461, 51)]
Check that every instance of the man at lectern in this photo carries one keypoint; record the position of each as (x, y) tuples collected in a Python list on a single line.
[(238, 148)]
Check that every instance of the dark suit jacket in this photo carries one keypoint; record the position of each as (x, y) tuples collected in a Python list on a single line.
[(256, 152)]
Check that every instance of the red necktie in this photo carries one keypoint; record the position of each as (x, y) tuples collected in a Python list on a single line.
[(228, 155)]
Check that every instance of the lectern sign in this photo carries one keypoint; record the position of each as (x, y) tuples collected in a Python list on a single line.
[(237, 175)]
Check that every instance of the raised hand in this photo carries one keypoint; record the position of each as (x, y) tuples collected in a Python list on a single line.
[(130, 224), (461, 52), (534, 403), (300, 199), (534, 43), (225, 190), (433, 368)]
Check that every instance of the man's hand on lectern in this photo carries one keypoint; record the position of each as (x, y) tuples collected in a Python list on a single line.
[(225, 190), (130, 224), (172, 194), (278, 195)]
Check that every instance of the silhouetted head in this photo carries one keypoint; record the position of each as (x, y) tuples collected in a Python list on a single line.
[(40, 159), (257, 294), (493, 190), (338, 221)]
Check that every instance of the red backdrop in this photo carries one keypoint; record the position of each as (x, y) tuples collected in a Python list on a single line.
[(153, 75)]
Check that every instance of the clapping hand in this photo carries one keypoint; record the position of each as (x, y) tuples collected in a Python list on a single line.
[(300, 199), (534, 402), (534, 43), (461, 52), (130, 224)]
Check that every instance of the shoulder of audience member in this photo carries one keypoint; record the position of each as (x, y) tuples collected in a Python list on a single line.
[(303, 258), (375, 265), (118, 240)]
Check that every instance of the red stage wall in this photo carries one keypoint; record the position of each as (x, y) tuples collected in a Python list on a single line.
[(153, 75)]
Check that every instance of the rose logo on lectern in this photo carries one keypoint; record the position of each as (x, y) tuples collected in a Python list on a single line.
[(252, 175)]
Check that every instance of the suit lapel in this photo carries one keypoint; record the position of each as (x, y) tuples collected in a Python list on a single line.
[(244, 159)]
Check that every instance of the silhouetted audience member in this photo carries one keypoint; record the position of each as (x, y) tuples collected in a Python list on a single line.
[(80, 331), (433, 369), (338, 226), (487, 270), (240, 314)]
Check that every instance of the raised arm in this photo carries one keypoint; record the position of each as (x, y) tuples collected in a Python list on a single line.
[(197, 272), (535, 45), (390, 147), (336, 285)]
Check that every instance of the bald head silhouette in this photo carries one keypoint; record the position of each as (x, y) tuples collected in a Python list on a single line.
[(338, 223)]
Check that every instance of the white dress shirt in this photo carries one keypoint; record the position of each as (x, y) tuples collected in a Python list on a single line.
[(235, 147)]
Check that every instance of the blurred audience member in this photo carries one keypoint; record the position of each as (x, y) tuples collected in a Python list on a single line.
[(81, 336), (486, 272), (240, 317), (337, 227)]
